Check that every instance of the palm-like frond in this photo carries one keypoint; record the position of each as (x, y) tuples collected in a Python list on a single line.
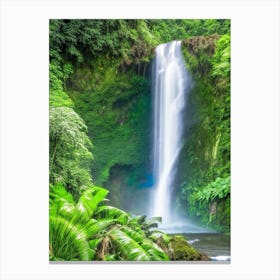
[(137, 220), (59, 192), (138, 236), (90, 199), (155, 252), (144, 223), (104, 225), (62, 204), (129, 248), (111, 257), (71, 226), (94, 243), (69, 241), (112, 213)]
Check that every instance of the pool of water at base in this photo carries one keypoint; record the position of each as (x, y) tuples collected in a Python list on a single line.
[(215, 245)]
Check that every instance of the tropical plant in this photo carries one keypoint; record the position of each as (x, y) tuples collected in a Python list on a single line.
[(216, 190), (90, 230), (70, 226), (211, 203)]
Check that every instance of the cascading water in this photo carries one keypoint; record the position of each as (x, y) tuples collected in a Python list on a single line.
[(171, 82)]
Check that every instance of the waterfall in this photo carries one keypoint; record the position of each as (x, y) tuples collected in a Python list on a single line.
[(170, 87)]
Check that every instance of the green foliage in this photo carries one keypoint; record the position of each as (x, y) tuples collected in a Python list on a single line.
[(206, 173), (219, 189), (69, 149), (78, 39), (127, 39), (179, 29), (221, 59), (90, 230), (128, 246), (134, 244), (210, 203), (112, 213), (90, 199), (68, 240), (70, 225), (58, 74)]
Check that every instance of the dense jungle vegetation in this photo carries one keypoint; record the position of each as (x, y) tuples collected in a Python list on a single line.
[(100, 137)]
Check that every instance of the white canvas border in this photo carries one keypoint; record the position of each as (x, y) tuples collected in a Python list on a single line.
[(24, 138)]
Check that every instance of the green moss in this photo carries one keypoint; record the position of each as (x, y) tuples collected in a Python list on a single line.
[(182, 251), (116, 108)]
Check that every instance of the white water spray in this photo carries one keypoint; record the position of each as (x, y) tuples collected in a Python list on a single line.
[(171, 82)]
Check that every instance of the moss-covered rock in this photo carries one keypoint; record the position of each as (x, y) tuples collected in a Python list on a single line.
[(180, 250)]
